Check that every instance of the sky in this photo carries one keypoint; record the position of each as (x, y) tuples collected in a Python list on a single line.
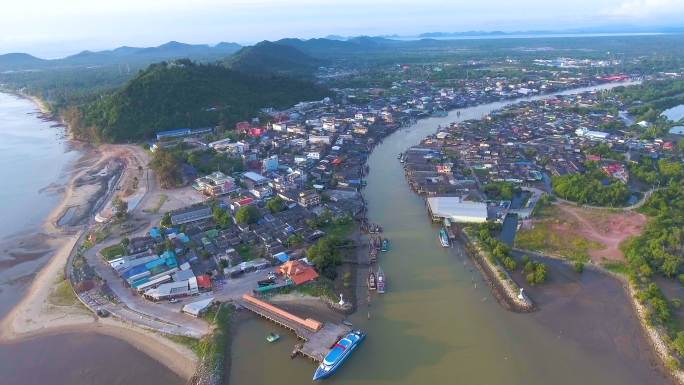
[(54, 28)]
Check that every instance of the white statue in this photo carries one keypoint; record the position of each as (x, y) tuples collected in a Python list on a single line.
[(341, 303)]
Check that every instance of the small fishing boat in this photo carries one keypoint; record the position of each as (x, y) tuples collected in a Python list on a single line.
[(443, 238), (371, 281), (381, 281), (266, 282), (272, 337), (348, 323), (339, 353), (385, 245)]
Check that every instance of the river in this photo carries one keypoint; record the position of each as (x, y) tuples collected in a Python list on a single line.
[(36, 161), (439, 323)]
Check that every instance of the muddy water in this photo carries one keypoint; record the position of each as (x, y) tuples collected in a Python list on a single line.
[(34, 161), (438, 323), (91, 360)]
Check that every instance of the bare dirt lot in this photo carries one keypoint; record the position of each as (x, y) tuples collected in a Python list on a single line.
[(574, 232), (608, 228)]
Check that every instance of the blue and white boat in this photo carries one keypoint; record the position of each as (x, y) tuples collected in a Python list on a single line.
[(443, 238), (338, 354)]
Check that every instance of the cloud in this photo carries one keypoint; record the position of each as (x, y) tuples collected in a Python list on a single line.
[(646, 9)]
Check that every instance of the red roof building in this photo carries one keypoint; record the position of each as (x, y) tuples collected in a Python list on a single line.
[(204, 282), (257, 131), (298, 271), (242, 127)]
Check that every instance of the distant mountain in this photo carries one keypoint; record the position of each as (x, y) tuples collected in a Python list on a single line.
[(18, 61), (335, 37), (457, 34), (328, 48), (184, 94), (123, 55), (272, 58)]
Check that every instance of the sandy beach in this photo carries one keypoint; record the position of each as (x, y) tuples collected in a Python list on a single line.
[(36, 315)]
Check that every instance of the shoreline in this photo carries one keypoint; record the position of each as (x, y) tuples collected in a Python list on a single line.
[(34, 316), (655, 335)]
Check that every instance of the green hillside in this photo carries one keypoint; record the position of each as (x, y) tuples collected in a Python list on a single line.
[(268, 57), (184, 94)]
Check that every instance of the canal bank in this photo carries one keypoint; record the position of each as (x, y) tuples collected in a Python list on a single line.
[(438, 322)]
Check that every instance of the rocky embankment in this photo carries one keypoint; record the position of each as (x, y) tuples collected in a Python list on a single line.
[(505, 289)]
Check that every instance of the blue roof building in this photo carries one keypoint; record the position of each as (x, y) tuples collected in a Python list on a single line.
[(155, 233), (282, 257)]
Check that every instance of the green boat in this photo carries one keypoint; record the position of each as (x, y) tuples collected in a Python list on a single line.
[(272, 337), (385, 245)]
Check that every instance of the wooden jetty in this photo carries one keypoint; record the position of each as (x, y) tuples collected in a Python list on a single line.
[(318, 337)]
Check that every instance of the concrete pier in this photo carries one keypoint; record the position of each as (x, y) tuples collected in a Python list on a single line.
[(318, 337)]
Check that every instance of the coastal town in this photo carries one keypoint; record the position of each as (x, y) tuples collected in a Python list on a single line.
[(312, 217), (252, 226)]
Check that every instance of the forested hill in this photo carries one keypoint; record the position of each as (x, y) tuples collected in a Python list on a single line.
[(184, 94), (268, 57)]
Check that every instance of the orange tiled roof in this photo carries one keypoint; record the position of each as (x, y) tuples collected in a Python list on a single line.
[(298, 272)]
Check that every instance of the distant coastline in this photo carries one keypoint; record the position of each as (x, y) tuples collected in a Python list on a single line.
[(504, 35)]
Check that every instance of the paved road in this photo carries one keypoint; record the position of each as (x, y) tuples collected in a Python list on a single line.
[(635, 206)]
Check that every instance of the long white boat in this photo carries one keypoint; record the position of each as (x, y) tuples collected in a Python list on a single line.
[(444, 238), (338, 354)]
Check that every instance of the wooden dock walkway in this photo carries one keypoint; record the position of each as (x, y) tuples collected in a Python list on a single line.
[(318, 337)]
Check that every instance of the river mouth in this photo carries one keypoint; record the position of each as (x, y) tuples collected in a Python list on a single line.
[(439, 323)]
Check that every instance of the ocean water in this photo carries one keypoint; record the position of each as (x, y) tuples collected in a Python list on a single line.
[(35, 160)]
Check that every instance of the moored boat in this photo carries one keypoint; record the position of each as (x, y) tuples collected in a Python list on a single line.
[(385, 245), (339, 353), (371, 281), (443, 238), (381, 281), (272, 337)]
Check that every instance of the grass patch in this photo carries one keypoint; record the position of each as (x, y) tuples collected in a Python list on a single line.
[(322, 288), (340, 230), (189, 342), (544, 238), (62, 294), (616, 267), (247, 252), (113, 252), (155, 209), (212, 350)]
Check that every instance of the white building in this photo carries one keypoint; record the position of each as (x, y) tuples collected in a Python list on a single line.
[(591, 134), (197, 308), (215, 184), (173, 290), (319, 139), (457, 210)]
